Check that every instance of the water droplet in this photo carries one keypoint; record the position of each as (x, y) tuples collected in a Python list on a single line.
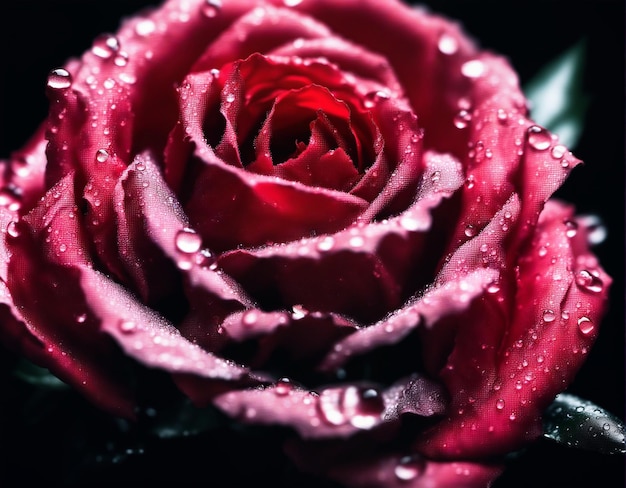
[(538, 138), (470, 230), (493, 287), (81, 318), (462, 119), (548, 316), (558, 151), (409, 467), (188, 241), (59, 79), (283, 387), (102, 155), (211, 8), (589, 280), (12, 229), (127, 326), (121, 59), (367, 404), (500, 404), (585, 325), (447, 44), (372, 98), (63, 247), (145, 27), (410, 223), (596, 232), (249, 317), (292, 3), (473, 69), (230, 97), (502, 116), (298, 312), (571, 228), (105, 46), (357, 241), (325, 244)]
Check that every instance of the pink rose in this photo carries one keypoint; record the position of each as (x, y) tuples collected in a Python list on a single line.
[(331, 216)]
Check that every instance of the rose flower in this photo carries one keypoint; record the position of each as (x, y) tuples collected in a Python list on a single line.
[(343, 228)]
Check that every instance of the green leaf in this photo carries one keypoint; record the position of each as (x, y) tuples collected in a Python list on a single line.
[(579, 423), (37, 376), (557, 100)]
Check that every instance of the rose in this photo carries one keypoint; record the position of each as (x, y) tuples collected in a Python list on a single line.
[(432, 239)]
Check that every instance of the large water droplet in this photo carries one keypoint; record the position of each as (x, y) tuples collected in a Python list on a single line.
[(105, 46), (211, 8), (362, 407), (12, 229), (188, 241), (59, 79), (585, 325), (473, 69), (283, 387), (102, 155), (500, 404), (548, 316), (409, 467), (589, 281), (447, 44), (538, 138)]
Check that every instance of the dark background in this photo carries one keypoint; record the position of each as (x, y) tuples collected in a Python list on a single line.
[(38, 35)]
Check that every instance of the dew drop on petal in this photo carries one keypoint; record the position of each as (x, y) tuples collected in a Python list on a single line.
[(571, 228), (12, 229), (538, 138), (102, 155), (585, 325), (589, 281), (283, 387), (105, 46), (447, 44), (473, 69), (470, 230), (409, 468), (59, 79), (558, 151), (211, 8), (188, 241), (127, 326), (548, 316), (366, 406), (500, 404), (249, 317), (462, 119), (145, 27), (325, 244), (292, 3)]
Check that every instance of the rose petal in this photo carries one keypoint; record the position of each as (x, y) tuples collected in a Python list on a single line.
[(300, 335), (363, 271), (178, 278), (560, 294), (22, 177), (337, 411), (63, 339)]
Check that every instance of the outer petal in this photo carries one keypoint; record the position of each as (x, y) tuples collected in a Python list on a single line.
[(501, 384), (47, 249)]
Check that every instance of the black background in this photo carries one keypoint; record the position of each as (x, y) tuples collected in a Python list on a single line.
[(38, 35)]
